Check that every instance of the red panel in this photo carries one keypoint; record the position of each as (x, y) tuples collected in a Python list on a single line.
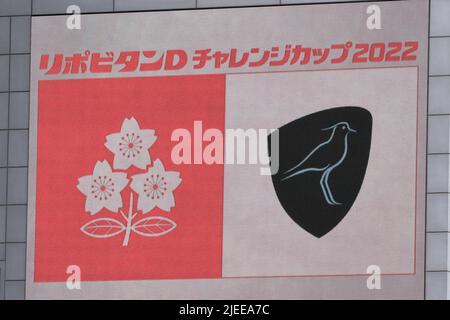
[(74, 118)]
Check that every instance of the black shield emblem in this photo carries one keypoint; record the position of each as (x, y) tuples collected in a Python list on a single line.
[(322, 162)]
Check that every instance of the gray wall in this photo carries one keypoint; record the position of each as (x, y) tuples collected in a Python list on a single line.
[(438, 266), (14, 104)]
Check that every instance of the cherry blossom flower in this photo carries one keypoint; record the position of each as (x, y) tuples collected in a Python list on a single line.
[(155, 187), (102, 189), (130, 145)]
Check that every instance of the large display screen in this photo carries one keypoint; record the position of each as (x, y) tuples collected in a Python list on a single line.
[(242, 153)]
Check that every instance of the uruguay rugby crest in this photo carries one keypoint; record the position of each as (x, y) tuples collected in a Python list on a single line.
[(323, 159)]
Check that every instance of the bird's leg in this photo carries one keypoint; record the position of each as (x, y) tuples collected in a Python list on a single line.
[(330, 195), (324, 190)]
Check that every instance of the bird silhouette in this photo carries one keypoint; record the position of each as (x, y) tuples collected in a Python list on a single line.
[(325, 158)]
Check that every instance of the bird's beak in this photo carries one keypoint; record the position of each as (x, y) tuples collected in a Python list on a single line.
[(351, 130)]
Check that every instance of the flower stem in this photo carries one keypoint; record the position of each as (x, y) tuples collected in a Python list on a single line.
[(130, 218)]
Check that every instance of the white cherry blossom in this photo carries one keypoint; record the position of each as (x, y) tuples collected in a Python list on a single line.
[(130, 145), (102, 189), (155, 187)]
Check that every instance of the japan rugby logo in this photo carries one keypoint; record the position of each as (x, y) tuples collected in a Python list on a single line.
[(154, 187)]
